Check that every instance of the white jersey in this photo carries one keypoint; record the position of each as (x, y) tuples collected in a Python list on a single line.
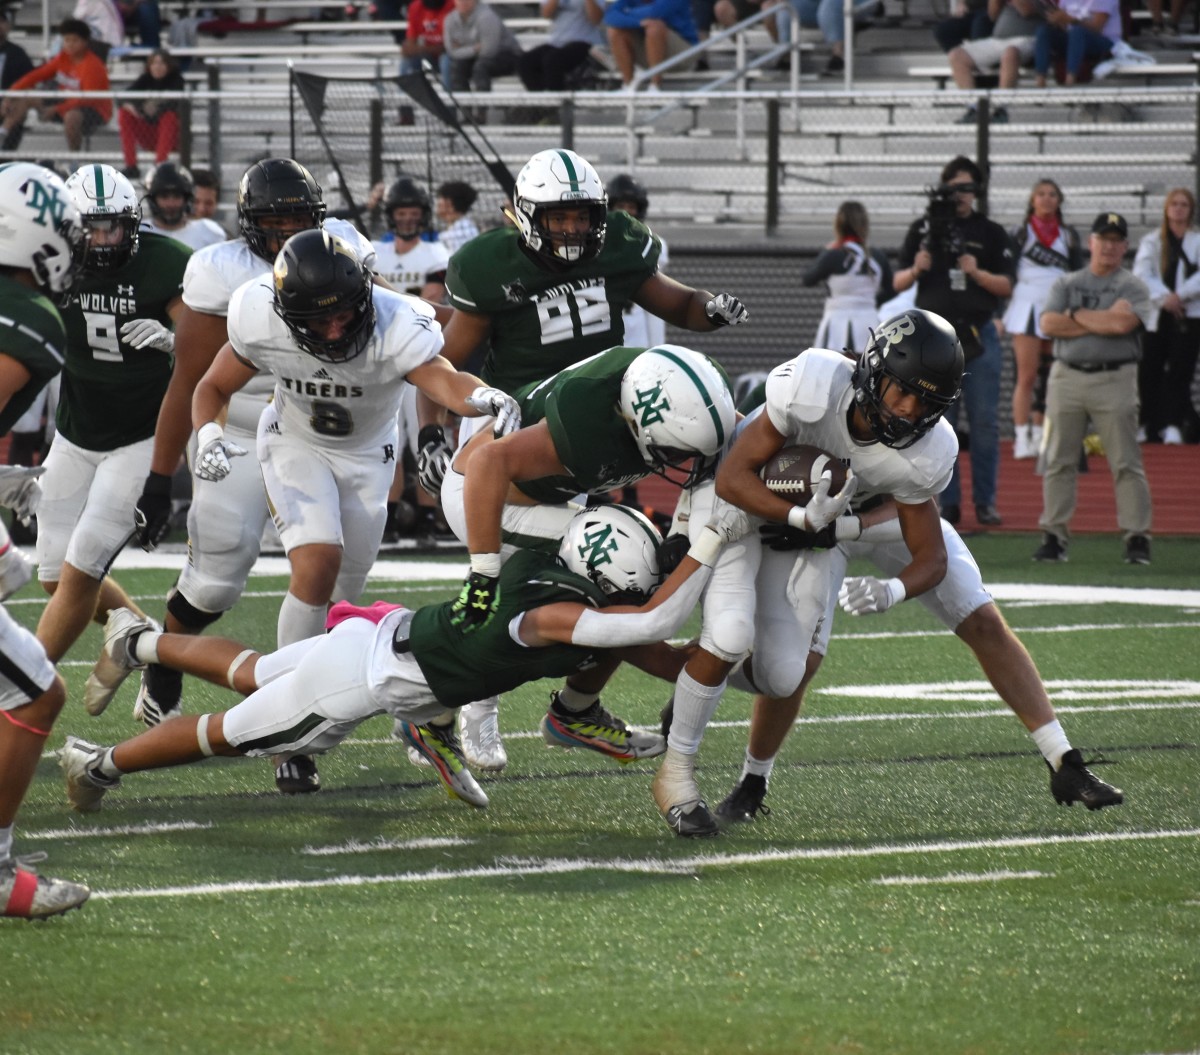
[(409, 272), (350, 405), (209, 282), (808, 400), (195, 234)]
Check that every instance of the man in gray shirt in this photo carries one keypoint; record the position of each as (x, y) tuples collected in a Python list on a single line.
[(1095, 317)]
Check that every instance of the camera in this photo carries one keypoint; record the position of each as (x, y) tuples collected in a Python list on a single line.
[(941, 230)]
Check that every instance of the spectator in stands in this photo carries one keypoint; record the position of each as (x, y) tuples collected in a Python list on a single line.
[(1046, 247), (106, 23), (1076, 31), (423, 40), (480, 47), (151, 123), (454, 201), (963, 266), (858, 279), (646, 33), (206, 194), (75, 68), (827, 16), (14, 60), (1158, 27), (1095, 316), (142, 19), (1009, 47), (1168, 261), (727, 13), (971, 21), (574, 30)]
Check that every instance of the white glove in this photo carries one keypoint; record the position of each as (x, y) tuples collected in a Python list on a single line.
[(823, 508), (863, 594), (148, 333), (728, 521), (497, 404), (726, 310), (16, 570), (20, 490), (214, 452)]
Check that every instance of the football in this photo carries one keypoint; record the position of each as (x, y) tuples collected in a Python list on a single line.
[(793, 472)]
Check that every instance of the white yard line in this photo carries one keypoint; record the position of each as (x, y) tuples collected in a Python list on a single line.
[(958, 877), (132, 829), (373, 845)]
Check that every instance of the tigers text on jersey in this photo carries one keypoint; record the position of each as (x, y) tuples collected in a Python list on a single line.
[(212, 276), (410, 272), (544, 320), (111, 392), (31, 333), (808, 400), (581, 406), (461, 667), (353, 404)]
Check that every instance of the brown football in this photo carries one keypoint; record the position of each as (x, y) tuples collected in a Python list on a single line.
[(793, 472)]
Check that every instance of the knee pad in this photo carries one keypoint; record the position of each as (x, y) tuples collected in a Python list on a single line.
[(728, 635), (781, 676), (187, 613)]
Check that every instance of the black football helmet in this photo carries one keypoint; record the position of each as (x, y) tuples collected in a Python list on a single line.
[(276, 187), (624, 187), (170, 178), (920, 352), (318, 275), (407, 192)]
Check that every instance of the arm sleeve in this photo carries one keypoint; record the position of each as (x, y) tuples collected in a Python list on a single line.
[(620, 630), (828, 263)]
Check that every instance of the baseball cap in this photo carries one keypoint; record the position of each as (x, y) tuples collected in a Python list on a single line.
[(1110, 223)]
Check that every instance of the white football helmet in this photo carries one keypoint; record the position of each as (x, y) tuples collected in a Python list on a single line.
[(560, 178), (40, 229), (679, 408), (617, 548), (107, 203)]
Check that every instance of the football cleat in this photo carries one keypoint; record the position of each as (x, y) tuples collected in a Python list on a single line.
[(440, 746), (86, 787), (678, 798), (147, 709), (297, 775), (598, 730), (745, 800), (1074, 782), (116, 661), (414, 756), (27, 895), (481, 741)]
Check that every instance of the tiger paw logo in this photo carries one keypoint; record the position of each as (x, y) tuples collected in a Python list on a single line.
[(598, 546), (650, 405)]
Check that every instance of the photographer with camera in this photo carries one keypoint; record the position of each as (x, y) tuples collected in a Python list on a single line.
[(963, 266)]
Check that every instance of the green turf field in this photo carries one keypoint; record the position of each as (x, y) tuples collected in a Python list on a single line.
[(915, 888)]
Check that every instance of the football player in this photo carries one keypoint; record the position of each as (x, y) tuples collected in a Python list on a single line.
[(405, 260), (597, 602), (41, 257), (170, 193), (883, 417), (119, 353)]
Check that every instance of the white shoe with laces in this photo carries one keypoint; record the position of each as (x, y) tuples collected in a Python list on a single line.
[(116, 662), (480, 724), (26, 895)]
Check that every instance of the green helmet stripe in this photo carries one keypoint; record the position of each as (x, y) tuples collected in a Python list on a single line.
[(709, 403), (101, 193), (572, 175)]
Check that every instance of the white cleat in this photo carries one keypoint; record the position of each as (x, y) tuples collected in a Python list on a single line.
[(678, 797), (26, 895), (148, 710), (116, 662), (85, 789), (480, 725)]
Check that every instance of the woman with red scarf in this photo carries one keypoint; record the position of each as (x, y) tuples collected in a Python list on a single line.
[(1048, 248)]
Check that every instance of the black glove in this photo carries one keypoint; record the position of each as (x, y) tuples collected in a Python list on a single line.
[(673, 549), (152, 515), (786, 537), (434, 455), (477, 602)]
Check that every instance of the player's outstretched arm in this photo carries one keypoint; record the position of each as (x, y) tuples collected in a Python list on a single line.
[(691, 309)]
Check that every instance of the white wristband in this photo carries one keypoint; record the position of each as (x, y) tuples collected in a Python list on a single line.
[(486, 564), (796, 518), (896, 590), (207, 433), (706, 548)]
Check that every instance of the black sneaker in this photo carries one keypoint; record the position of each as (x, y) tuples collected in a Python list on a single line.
[(1000, 116), (745, 800), (988, 515), (1051, 549), (1137, 550), (1074, 782), (297, 776)]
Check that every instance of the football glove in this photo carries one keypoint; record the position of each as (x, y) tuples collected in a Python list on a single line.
[(214, 452), (673, 549), (782, 537), (16, 570), (434, 455), (152, 515), (148, 333), (726, 310), (20, 490), (864, 594), (477, 602), (497, 404), (823, 508), (728, 521)]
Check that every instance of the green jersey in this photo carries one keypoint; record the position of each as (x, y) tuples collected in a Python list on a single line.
[(486, 662), (32, 334), (581, 407), (111, 392), (543, 320)]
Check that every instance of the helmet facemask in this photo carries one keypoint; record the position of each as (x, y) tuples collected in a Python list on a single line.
[(560, 179)]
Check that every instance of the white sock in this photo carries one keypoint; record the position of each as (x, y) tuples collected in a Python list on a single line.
[(757, 767), (6, 843), (1052, 742), (299, 621), (145, 648), (572, 700), (695, 704), (106, 767)]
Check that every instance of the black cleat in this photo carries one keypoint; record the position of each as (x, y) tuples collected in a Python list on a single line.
[(745, 800), (696, 823), (1074, 782), (297, 776), (1051, 550)]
